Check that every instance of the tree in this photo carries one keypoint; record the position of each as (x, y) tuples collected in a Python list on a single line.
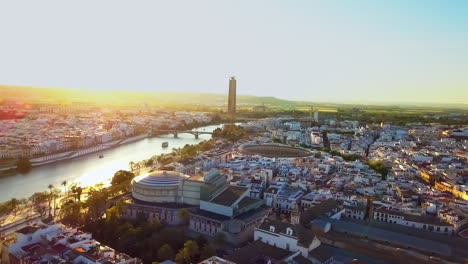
[(188, 254), (39, 200), (149, 163), (96, 202), (5, 209), (192, 249), (184, 216), (132, 166), (70, 213), (50, 187), (55, 195), (76, 191), (182, 257), (79, 190), (379, 167), (114, 213), (165, 252), (207, 252), (122, 180), (65, 184), (23, 165), (276, 140), (14, 204), (230, 132), (201, 240), (220, 240), (3, 216)]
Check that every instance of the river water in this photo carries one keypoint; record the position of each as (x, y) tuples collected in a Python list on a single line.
[(90, 169)]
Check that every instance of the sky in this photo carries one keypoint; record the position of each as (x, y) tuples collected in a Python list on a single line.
[(331, 51)]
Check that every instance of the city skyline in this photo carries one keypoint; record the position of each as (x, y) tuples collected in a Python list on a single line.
[(328, 52), (124, 138)]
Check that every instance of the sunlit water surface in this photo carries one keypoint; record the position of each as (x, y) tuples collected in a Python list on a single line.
[(90, 169)]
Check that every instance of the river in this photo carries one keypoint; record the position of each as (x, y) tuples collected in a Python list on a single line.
[(90, 169)]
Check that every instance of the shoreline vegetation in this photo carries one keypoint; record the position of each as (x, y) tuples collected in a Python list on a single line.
[(98, 209), (120, 181), (23, 165)]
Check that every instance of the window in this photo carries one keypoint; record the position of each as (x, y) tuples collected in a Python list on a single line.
[(289, 231), (287, 246), (272, 229)]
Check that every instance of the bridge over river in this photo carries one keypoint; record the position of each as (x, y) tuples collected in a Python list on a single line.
[(177, 132)]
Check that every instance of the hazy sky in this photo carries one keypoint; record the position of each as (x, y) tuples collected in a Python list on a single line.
[(326, 50)]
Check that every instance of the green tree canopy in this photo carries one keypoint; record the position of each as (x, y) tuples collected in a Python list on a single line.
[(39, 202), (207, 251), (122, 176), (165, 252)]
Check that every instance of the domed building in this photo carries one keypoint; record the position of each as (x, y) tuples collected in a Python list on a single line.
[(213, 205), (167, 187), (162, 194)]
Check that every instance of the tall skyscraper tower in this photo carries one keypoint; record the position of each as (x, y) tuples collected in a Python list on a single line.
[(232, 96)]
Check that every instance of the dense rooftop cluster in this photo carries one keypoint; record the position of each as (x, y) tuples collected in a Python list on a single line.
[(48, 130)]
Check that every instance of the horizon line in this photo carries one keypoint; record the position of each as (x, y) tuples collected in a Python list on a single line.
[(350, 102)]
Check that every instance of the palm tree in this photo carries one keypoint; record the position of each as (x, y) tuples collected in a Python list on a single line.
[(50, 198), (132, 166), (55, 196), (64, 184), (73, 190), (79, 190)]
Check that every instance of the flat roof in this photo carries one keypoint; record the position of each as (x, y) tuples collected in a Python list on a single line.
[(392, 237)]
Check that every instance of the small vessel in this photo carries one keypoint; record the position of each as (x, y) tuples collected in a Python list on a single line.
[(165, 144), (101, 156)]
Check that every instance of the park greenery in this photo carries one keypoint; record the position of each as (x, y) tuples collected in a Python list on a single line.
[(276, 140), (76, 211), (346, 157), (230, 132), (152, 240), (379, 167)]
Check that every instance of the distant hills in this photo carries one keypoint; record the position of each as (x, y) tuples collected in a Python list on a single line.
[(29, 94)]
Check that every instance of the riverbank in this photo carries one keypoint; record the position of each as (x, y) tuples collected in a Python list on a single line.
[(67, 155), (89, 169)]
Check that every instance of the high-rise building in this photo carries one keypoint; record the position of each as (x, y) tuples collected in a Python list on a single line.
[(232, 96)]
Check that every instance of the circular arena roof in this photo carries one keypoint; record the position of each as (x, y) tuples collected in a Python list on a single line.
[(159, 179), (274, 150)]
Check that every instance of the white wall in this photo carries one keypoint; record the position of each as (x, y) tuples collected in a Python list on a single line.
[(282, 241)]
